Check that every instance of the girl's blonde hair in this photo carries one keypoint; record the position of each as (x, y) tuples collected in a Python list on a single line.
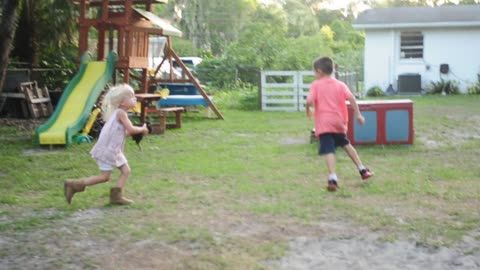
[(113, 98)]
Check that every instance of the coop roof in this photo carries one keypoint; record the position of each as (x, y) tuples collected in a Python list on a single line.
[(407, 17), (159, 23)]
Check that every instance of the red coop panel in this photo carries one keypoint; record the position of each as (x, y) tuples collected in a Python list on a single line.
[(386, 122)]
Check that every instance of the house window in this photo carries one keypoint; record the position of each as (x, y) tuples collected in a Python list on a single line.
[(411, 45)]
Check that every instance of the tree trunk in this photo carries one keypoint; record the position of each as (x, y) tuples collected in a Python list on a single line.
[(197, 26), (7, 31), (25, 44)]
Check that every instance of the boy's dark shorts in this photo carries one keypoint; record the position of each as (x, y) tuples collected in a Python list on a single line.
[(328, 142)]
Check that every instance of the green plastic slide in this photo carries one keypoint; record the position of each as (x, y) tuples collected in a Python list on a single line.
[(77, 101)]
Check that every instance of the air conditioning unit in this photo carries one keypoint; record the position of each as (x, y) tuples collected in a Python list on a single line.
[(409, 83)]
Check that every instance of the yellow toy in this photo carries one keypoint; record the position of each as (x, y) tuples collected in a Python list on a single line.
[(164, 92), (83, 136)]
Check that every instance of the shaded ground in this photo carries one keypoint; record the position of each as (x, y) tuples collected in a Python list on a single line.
[(21, 124)]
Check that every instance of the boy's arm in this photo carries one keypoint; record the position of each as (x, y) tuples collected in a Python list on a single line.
[(356, 110), (308, 106), (309, 103)]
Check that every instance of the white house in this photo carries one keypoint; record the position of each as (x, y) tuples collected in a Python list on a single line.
[(410, 47)]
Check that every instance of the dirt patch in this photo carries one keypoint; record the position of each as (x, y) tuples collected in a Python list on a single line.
[(293, 141), (68, 244), (43, 151), (452, 129), (367, 252)]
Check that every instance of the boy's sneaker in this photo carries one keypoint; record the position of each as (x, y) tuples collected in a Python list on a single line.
[(366, 173), (332, 185)]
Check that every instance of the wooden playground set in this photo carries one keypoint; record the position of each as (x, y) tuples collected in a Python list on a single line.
[(126, 26), (124, 29)]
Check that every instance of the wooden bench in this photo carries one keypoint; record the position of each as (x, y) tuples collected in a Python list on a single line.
[(158, 128), (162, 113)]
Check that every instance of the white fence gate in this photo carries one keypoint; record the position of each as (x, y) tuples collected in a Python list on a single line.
[(288, 90)]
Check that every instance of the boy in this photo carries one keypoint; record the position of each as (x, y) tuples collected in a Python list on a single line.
[(328, 96)]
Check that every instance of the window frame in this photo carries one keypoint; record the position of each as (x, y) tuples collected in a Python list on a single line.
[(411, 45)]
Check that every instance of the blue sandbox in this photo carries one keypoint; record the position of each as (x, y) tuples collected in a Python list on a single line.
[(183, 100)]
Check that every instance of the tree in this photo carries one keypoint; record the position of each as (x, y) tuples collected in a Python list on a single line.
[(261, 40), (213, 24), (416, 3), (258, 46), (301, 19), (301, 51), (7, 31), (48, 25), (326, 16)]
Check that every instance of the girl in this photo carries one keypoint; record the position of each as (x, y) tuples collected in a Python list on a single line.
[(108, 151)]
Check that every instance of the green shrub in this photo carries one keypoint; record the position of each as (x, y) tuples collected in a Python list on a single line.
[(442, 86), (184, 47), (217, 72), (475, 89), (375, 91), (238, 99), (61, 66)]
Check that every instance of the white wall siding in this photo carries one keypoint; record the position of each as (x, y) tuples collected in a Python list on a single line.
[(378, 59), (457, 47), (460, 49)]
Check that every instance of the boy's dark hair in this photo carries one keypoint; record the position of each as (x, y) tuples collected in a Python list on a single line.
[(325, 64)]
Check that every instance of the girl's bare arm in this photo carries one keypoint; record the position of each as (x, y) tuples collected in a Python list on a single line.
[(129, 127)]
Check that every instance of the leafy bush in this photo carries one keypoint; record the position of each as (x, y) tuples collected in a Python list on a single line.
[(442, 86), (375, 91), (475, 89), (238, 99), (217, 72), (61, 66), (184, 47)]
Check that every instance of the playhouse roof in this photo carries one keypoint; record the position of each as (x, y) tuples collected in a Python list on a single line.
[(168, 29), (408, 17)]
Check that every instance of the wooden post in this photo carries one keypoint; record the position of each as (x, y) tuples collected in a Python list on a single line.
[(197, 85), (101, 42), (83, 8), (126, 75), (128, 11), (83, 41), (110, 38), (104, 11), (168, 55), (121, 44)]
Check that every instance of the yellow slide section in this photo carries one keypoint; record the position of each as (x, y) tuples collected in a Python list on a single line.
[(74, 106)]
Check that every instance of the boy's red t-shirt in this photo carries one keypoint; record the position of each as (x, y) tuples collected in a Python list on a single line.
[(328, 96)]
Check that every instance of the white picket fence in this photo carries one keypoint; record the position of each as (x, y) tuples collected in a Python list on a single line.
[(291, 92)]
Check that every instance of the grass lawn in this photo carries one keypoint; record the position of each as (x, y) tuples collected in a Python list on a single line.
[(231, 194)]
